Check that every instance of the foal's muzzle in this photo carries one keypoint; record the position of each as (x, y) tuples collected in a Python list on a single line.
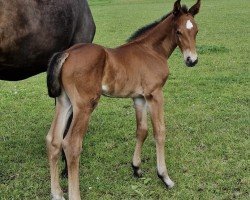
[(190, 58), (190, 63)]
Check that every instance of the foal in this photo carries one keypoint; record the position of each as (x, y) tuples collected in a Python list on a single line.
[(78, 77)]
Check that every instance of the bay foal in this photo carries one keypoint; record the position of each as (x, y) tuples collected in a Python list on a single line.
[(78, 77)]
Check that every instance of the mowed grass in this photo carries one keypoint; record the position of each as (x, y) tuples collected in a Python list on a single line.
[(206, 112)]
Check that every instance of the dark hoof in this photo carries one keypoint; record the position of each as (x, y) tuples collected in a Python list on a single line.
[(166, 180), (137, 171), (64, 173)]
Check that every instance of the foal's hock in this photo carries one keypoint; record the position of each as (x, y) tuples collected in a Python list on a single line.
[(78, 77)]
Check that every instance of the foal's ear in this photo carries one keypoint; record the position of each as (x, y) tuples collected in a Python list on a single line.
[(195, 8), (177, 7)]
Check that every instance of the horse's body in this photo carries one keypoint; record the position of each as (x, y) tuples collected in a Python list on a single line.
[(115, 73), (78, 77), (31, 31)]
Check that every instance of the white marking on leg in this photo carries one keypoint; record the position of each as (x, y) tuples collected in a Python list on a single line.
[(105, 88), (162, 171), (66, 110), (168, 182), (139, 102), (57, 197), (189, 25)]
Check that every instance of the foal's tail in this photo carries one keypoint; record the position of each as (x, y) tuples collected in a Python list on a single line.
[(53, 73)]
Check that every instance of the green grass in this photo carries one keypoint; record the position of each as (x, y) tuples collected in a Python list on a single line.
[(206, 112)]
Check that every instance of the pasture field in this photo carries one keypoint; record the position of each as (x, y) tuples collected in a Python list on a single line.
[(206, 112)]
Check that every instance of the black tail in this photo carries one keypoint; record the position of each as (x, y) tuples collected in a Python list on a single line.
[(53, 73)]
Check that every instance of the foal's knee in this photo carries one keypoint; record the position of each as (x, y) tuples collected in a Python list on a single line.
[(53, 146)]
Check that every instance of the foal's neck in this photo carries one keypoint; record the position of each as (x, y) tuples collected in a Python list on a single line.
[(162, 38)]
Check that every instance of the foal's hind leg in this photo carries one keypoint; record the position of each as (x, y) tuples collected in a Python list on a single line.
[(64, 173), (141, 133), (54, 142), (72, 145), (156, 108)]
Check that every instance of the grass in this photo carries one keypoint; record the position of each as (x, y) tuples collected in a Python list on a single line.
[(206, 112)]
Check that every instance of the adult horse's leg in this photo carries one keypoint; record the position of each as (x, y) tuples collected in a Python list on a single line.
[(141, 133), (85, 28), (54, 142), (155, 103), (72, 146)]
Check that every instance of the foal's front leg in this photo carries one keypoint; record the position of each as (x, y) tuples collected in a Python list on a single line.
[(156, 108), (141, 133)]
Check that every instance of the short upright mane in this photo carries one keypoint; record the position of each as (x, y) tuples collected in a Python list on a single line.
[(148, 27)]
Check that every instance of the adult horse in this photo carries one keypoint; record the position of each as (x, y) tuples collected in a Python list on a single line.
[(78, 77), (31, 31)]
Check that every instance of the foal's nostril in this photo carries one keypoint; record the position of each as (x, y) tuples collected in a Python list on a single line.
[(191, 63)]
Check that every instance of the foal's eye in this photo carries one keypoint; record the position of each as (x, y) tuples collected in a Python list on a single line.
[(178, 32)]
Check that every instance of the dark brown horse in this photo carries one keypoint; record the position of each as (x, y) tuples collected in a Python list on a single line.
[(32, 30), (79, 76)]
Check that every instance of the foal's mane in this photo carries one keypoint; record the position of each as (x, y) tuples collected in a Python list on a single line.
[(150, 26)]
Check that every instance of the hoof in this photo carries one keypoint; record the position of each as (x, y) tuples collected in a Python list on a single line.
[(167, 181), (137, 171)]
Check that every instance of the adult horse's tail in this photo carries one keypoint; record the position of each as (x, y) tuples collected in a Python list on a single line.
[(53, 73)]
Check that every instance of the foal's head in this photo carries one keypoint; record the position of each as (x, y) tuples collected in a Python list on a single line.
[(186, 31)]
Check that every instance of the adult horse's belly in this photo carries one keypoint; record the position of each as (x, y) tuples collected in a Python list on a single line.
[(30, 32)]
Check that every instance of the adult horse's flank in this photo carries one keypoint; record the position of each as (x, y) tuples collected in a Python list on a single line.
[(31, 31), (78, 77)]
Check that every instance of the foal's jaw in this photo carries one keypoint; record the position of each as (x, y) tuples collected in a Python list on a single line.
[(190, 58)]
